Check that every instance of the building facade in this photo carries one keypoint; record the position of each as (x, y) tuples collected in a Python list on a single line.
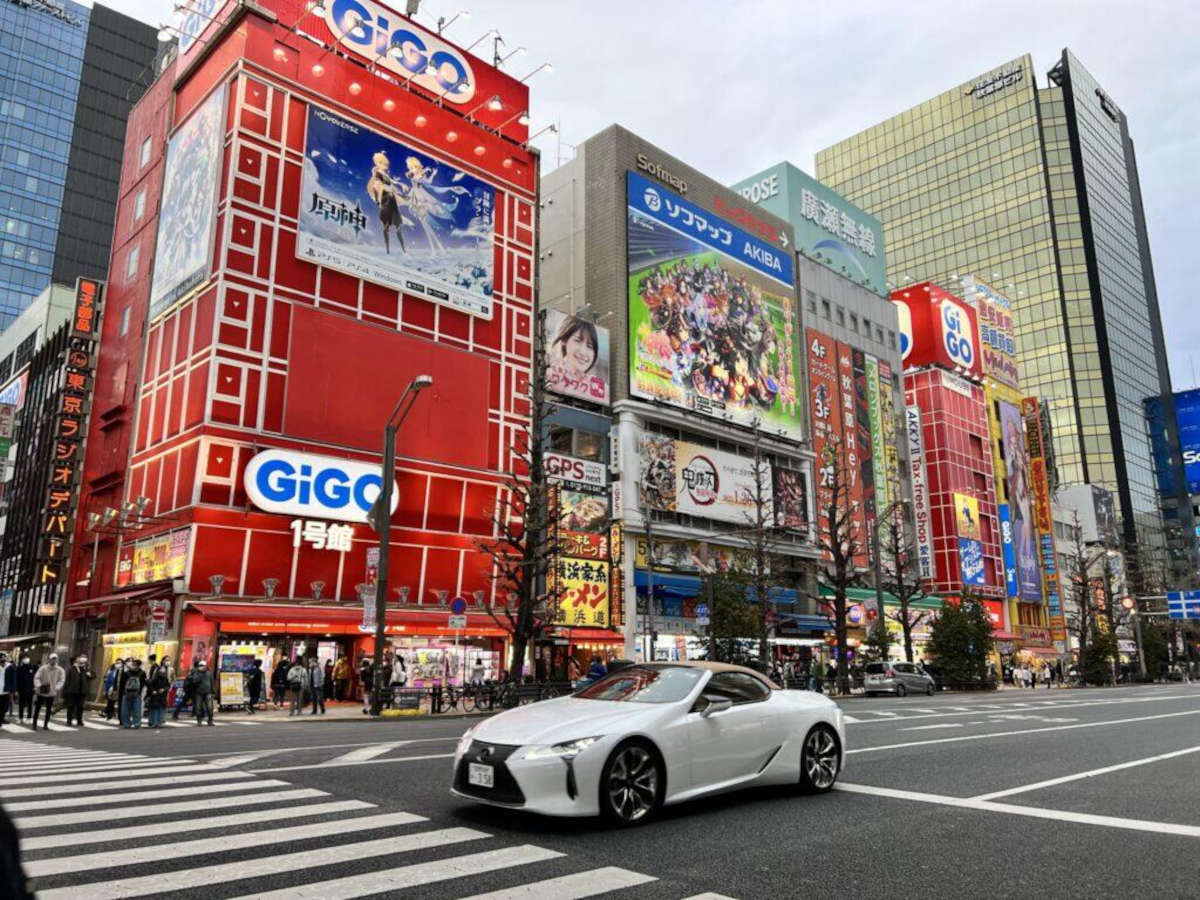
[(68, 77), (269, 306), (1035, 189)]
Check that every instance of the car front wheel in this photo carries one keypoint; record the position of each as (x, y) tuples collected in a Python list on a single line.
[(631, 784), (929, 690), (820, 760)]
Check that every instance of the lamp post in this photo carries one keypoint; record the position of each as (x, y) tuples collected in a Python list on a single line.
[(380, 518)]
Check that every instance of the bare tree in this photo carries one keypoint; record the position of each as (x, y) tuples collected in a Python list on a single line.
[(902, 574)]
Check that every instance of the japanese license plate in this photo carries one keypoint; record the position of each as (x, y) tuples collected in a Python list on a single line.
[(481, 775)]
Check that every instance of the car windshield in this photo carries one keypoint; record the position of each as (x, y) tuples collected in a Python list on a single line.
[(644, 684)]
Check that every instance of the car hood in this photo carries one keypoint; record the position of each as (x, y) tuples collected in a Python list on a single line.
[(565, 719)]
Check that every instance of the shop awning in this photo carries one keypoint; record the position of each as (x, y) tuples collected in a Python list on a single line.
[(279, 618), (590, 635), (688, 586), (865, 595), (1001, 635), (1041, 651), (96, 606), (40, 637), (809, 623)]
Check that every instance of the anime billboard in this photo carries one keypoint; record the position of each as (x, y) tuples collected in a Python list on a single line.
[(712, 326), (380, 210), (1020, 497)]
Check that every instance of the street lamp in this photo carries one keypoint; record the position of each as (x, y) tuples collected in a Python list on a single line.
[(380, 517)]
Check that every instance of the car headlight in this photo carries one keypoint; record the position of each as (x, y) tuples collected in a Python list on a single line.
[(465, 741), (565, 750)]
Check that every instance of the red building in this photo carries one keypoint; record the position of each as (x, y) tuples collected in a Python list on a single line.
[(357, 208)]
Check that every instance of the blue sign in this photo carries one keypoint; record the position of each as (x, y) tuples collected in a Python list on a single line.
[(701, 610), (458, 606), (970, 560), (1183, 604), (658, 203), (307, 485), (1187, 416), (1006, 544)]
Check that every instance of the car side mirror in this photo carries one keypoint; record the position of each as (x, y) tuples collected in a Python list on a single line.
[(714, 705)]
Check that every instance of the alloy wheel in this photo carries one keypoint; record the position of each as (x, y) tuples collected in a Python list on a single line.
[(820, 759), (632, 783)]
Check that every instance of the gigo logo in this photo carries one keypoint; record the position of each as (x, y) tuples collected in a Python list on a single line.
[(956, 337), (906, 329), (376, 33), (319, 487)]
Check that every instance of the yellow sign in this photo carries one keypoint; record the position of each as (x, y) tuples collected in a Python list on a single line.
[(581, 586), (233, 688), (966, 515)]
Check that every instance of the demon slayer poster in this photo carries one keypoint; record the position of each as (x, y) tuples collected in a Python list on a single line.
[(377, 209)]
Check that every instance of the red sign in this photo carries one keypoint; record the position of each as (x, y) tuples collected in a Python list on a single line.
[(825, 403), (88, 300), (746, 219), (937, 328)]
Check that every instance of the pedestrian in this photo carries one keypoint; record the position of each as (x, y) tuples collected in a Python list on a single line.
[(157, 687), (574, 671), (1032, 670), (131, 695), (398, 679), (279, 682), (168, 669), (366, 678), (814, 675), (478, 673), (47, 684), (8, 682), (316, 685), (25, 676), (254, 682), (1046, 675), (327, 681), (110, 688), (596, 670), (187, 693), (341, 679), (151, 665), (202, 688), (297, 685), (77, 687)]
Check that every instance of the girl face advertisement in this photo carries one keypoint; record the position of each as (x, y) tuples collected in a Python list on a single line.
[(577, 354)]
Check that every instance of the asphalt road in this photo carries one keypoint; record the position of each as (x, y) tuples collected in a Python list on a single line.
[(1063, 793)]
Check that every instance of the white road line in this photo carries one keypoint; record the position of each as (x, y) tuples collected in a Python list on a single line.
[(54, 770), (13, 728), (570, 887), (106, 834), (106, 859), (369, 752), (363, 762), (62, 778), (56, 789), (229, 762), (102, 726), (392, 880), (111, 799), (929, 727), (922, 709), (1089, 774), (850, 720), (1057, 815), (997, 734), (1063, 704), (48, 754), (882, 712), (307, 747), (259, 866), (165, 809), (708, 895)]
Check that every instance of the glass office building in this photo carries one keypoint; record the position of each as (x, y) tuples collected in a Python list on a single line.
[(68, 76), (1035, 190)]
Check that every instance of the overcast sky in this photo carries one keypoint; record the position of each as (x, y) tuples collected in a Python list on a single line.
[(732, 87)]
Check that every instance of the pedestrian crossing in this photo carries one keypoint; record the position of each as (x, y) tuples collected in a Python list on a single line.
[(99, 723), (96, 825)]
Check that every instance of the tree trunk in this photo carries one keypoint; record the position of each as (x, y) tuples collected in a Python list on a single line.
[(839, 608), (906, 626)]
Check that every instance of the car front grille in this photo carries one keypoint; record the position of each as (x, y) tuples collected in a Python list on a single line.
[(506, 790)]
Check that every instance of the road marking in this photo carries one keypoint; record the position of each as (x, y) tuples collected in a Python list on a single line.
[(51, 790), (996, 734), (59, 778), (1033, 812), (306, 747), (363, 762), (569, 887), (106, 833), (180, 849), (369, 752), (1064, 705), (850, 720), (101, 725), (260, 866), (881, 712), (229, 762), (928, 727), (110, 799), (163, 809), (708, 895), (54, 770), (392, 880), (1089, 774)]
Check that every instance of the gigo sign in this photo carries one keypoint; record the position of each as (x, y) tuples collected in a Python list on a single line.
[(957, 334), (311, 486), (375, 32)]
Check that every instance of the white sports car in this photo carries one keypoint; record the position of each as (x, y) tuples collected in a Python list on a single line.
[(648, 735)]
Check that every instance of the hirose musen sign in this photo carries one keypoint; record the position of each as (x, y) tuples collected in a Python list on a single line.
[(315, 487)]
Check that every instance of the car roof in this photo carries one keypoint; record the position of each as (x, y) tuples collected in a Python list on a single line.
[(715, 667)]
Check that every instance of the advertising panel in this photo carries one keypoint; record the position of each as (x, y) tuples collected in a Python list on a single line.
[(791, 499), (855, 447), (937, 328), (1187, 417), (824, 401), (1053, 582), (583, 523), (699, 481), (183, 248), (921, 514), (966, 517), (1006, 545), (866, 447), (575, 474), (997, 347), (309, 485), (875, 415), (712, 326), (1017, 482), (887, 416), (380, 210), (581, 586), (577, 355), (970, 560)]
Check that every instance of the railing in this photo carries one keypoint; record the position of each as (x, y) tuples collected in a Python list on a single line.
[(441, 699)]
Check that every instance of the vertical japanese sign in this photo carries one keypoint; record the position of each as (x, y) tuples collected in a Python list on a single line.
[(998, 355), (1043, 516), (70, 428), (825, 403), (887, 416), (921, 514), (866, 454)]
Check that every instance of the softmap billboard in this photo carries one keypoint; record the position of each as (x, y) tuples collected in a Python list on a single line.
[(1187, 416), (381, 210), (712, 323)]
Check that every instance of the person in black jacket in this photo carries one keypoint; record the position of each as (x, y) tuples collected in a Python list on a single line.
[(157, 686), (202, 687), (8, 685), (279, 682), (25, 672), (13, 882), (77, 688), (254, 681)]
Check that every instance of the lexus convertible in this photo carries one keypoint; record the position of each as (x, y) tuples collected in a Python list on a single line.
[(649, 735)]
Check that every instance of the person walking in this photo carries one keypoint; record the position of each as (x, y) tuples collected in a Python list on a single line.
[(157, 686), (366, 678), (1046, 674), (25, 676), (187, 693), (397, 679), (76, 689), (254, 683), (110, 688), (279, 682), (132, 687), (48, 683), (202, 688), (341, 679), (316, 685), (8, 682), (297, 684), (327, 682)]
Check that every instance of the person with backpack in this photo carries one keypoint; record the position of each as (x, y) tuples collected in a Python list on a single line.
[(47, 684), (202, 688), (157, 686), (76, 688), (131, 696), (254, 683), (298, 684), (110, 688)]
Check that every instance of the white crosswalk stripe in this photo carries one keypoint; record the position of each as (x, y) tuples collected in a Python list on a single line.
[(249, 830)]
